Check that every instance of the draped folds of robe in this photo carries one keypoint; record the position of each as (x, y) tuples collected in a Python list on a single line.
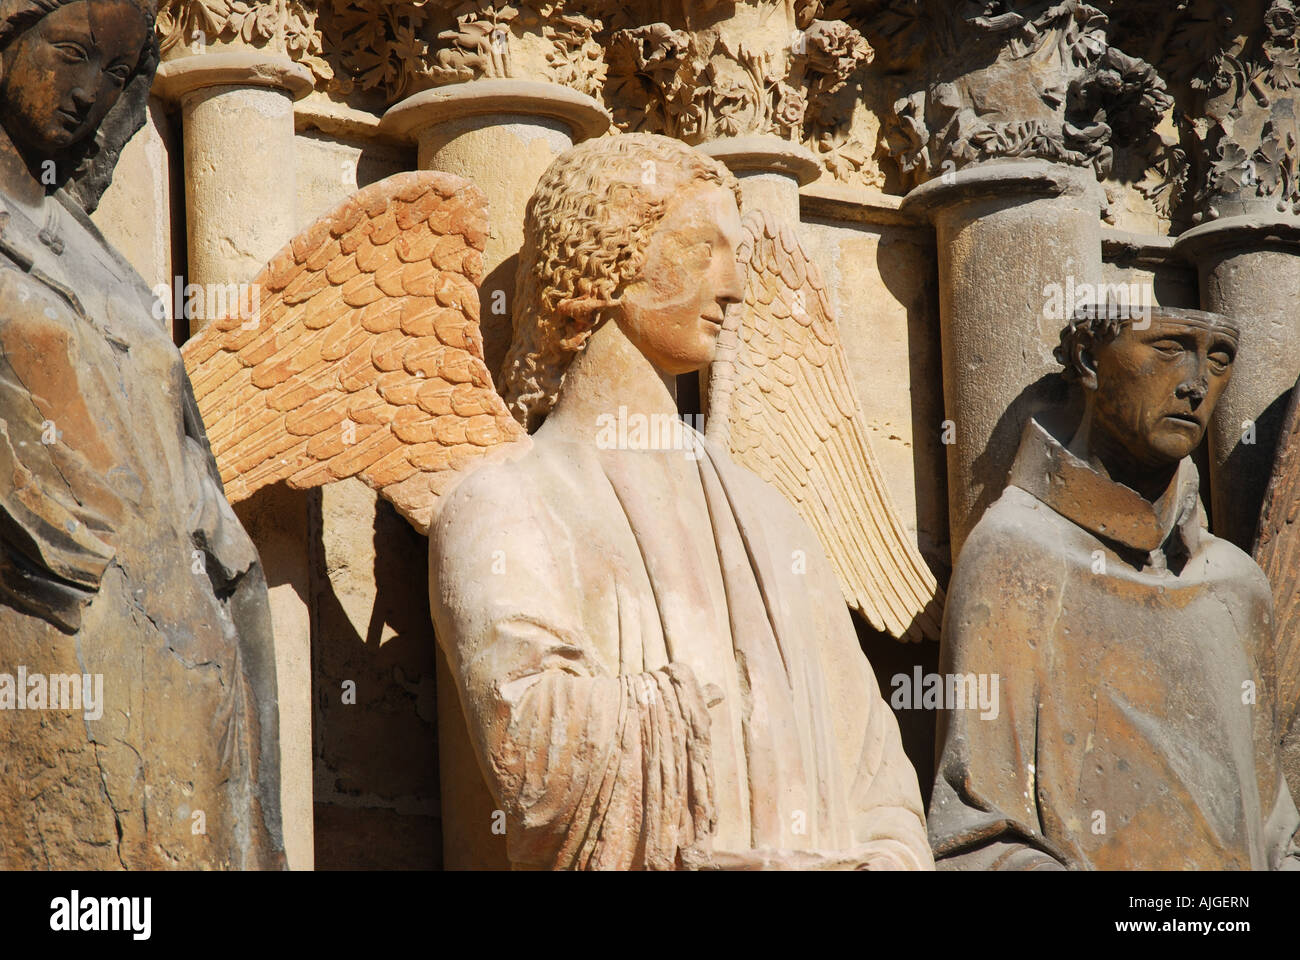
[(1135, 727), (654, 658), (120, 559)]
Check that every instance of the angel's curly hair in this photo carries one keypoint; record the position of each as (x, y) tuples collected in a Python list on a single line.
[(586, 230)]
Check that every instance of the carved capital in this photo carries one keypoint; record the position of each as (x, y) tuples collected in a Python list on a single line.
[(285, 27), (997, 79), (765, 69), (1237, 65)]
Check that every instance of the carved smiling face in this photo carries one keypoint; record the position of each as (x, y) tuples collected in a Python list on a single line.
[(61, 76), (674, 313), (1153, 390)]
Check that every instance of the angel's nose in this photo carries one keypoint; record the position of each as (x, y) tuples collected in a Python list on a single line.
[(732, 287)]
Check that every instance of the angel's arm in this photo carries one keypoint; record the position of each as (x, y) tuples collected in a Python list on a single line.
[(593, 769)]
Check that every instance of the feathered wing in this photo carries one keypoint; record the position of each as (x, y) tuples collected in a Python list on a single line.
[(365, 358), (782, 401), (1277, 551)]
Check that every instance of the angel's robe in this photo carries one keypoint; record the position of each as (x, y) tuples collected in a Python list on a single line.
[(122, 568), (1134, 728), (586, 598)]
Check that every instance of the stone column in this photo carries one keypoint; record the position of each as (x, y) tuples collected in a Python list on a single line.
[(240, 187), (236, 115), (771, 171), (1011, 180), (1010, 235), (1249, 269), (1242, 192), (501, 133)]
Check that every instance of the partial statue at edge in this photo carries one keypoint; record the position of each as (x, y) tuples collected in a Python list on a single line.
[(142, 731)]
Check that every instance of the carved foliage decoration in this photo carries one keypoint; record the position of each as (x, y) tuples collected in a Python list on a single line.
[(1010, 78), (700, 84), (1244, 96), (694, 70), (288, 26), (393, 48)]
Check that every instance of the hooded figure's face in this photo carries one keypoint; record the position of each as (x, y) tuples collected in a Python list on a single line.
[(62, 75)]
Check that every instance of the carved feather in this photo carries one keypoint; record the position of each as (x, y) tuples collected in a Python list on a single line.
[(365, 358), (781, 399), (1277, 551)]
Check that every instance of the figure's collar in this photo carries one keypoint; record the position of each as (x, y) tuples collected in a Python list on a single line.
[(1075, 490)]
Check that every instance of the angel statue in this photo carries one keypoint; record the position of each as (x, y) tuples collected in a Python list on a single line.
[(652, 651), (137, 681)]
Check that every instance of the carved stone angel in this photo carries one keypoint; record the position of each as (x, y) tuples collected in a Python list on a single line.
[(652, 652), (138, 722)]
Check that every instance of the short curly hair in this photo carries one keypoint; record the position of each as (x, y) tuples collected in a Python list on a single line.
[(1096, 326), (586, 230)]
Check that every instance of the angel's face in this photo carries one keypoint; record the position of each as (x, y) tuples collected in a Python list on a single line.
[(60, 77), (673, 314)]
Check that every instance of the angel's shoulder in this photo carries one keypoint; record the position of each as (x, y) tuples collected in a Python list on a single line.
[(506, 493)]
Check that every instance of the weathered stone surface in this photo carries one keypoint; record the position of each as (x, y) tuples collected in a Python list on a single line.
[(1132, 646), (782, 401), (121, 563)]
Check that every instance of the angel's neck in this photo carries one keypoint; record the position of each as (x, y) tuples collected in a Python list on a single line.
[(608, 374)]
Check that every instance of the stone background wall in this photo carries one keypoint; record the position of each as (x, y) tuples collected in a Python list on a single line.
[(310, 101)]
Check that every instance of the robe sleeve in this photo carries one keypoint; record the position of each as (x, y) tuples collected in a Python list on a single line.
[(885, 814), (888, 822), (984, 813), (593, 770), (56, 514)]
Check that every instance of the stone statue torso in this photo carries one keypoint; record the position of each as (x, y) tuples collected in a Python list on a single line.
[(1133, 705), (123, 559)]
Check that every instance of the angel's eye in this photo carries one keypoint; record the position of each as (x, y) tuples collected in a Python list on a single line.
[(119, 74), (1169, 348), (1220, 361)]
